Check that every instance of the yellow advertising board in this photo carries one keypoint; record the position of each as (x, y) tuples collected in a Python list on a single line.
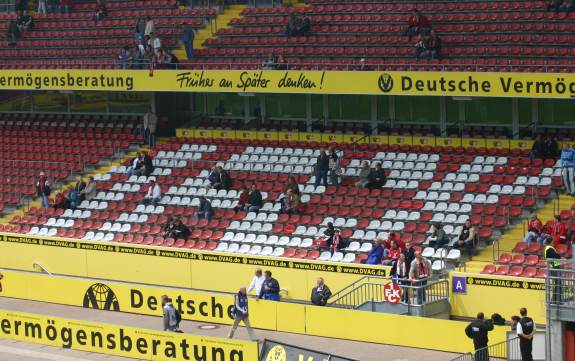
[(424, 141), (271, 136), (332, 138), (122, 341), (473, 143), (475, 84), (498, 143), (288, 136), (400, 140), (355, 138)]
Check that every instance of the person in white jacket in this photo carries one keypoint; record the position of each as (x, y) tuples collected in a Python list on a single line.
[(257, 281), (154, 194)]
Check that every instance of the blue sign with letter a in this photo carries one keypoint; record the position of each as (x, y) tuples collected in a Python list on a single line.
[(459, 285)]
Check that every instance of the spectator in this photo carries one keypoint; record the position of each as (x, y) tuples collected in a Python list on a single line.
[(71, 198), (140, 29), (241, 314), (438, 236), (568, 169), (467, 238), (305, 26), (213, 176), (169, 315), (567, 6), (137, 164), (514, 321), (392, 253), (168, 227), (224, 181), (187, 38), (291, 203), (409, 253), (292, 184), (526, 331), (419, 272), (321, 168), (394, 236), (24, 22), (420, 46), (291, 25), (416, 24), (150, 120), (557, 229), (270, 288), (477, 330), (153, 195), (320, 293), (205, 209), (363, 175), (42, 7), (433, 45), (89, 192), (148, 165), (243, 200), (138, 57), (60, 201), (21, 5), (180, 230), (269, 63), (551, 147), (328, 233), (125, 56), (170, 62), (65, 6), (257, 282), (281, 63), (43, 189), (534, 229), (376, 254), (334, 167), (101, 11), (552, 257), (13, 33), (376, 177), (255, 201), (538, 149), (155, 43), (400, 273), (337, 242), (54, 6), (74, 194), (150, 27)]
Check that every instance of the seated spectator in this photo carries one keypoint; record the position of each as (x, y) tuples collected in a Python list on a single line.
[(89, 192), (148, 165), (467, 238), (394, 237), (433, 45), (420, 47), (567, 6), (281, 63), (24, 22), (363, 175), (557, 229), (290, 26), (391, 253), (329, 233), (243, 200), (153, 195), (416, 24), (137, 164), (337, 242), (292, 184), (101, 11), (438, 236), (180, 230), (13, 33), (139, 56), (168, 227), (205, 209), (60, 201), (170, 60), (223, 181), (54, 6), (291, 203), (376, 254), (376, 177), (124, 57), (269, 63), (213, 176), (534, 229), (255, 200), (304, 26)]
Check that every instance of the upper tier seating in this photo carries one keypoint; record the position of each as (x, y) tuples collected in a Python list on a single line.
[(425, 184)]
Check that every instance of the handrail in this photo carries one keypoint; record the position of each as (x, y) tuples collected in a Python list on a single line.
[(504, 350), (343, 292)]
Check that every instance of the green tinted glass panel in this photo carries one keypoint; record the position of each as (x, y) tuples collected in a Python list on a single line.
[(352, 107), (89, 102), (129, 102), (488, 111), (285, 105)]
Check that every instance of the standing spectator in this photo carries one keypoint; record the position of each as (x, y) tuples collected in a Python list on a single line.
[(89, 192), (467, 238), (557, 229), (477, 330), (205, 209), (568, 169), (13, 33), (291, 25), (416, 24), (550, 254), (169, 315), (376, 254), (140, 28), (43, 189), (243, 200), (101, 11), (363, 175), (334, 167), (270, 288), (392, 253), (255, 201), (150, 125), (291, 203), (433, 45), (24, 22), (376, 177), (551, 147), (419, 272), (153, 195), (526, 331), (409, 253), (534, 228), (155, 43), (400, 273), (320, 293), (187, 38), (42, 7), (180, 230), (438, 236), (538, 148), (514, 321), (321, 168), (125, 56), (241, 314), (257, 282), (65, 6), (150, 27)]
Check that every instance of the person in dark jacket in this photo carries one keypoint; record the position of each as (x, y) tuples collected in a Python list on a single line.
[(224, 181), (168, 227), (478, 330), (320, 293), (409, 253), (213, 176), (255, 200), (242, 200), (438, 236), (321, 168), (376, 254), (270, 288), (205, 209), (148, 164), (376, 177), (538, 148), (43, 189), (180, 230), (526, 331)]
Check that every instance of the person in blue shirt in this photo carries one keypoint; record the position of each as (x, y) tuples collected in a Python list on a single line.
[(568, 169), (270, 288), (321, 168), (205, 209), (376, 254), (241, 314)]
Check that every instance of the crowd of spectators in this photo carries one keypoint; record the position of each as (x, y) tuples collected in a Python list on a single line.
[(428, 43), (298, 25), (544, 147), (561, 5), (371, 178), (274, 62)]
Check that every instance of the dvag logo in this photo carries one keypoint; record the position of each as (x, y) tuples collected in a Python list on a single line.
[(385, 82), (101, 297)]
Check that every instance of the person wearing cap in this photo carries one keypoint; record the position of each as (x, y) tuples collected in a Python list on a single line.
[(154, 194), (43, 189)]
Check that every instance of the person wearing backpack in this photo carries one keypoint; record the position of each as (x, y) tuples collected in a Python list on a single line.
[(526, 331), (241, 314), (568, 169), (171, 316)]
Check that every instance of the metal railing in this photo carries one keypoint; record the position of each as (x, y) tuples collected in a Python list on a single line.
[(560, 285), (506, 350), (371, 289)]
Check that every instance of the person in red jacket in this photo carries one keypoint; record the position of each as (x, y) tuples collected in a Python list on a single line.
[(416, 23), (558, 230), (534, 228)]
